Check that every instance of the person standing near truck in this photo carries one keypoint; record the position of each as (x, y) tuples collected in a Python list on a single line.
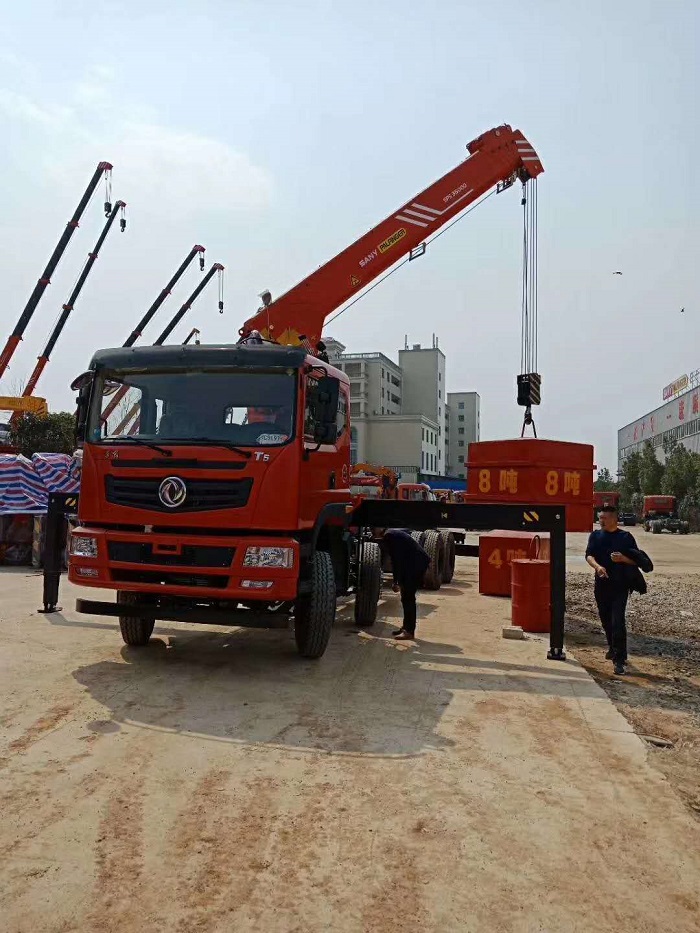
[(409, 561), (607, 554)]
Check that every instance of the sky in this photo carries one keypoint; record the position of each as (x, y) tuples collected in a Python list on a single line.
[(277, 133)]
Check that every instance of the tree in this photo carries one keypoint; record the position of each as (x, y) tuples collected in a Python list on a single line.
[(651, 471), (682, 472), (605, 481), (54, 433), (629, 477)]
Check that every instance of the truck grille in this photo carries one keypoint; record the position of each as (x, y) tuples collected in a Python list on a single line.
[(203, 495), (191, 555), (169, 578)]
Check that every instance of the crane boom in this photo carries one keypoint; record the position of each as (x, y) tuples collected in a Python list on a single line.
[(216, 267), (15, 337), (138, 330), (70, 304), (184, 308), (496, 158)]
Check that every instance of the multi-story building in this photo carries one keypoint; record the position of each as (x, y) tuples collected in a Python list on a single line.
[(462, 429), (678, 419), (399, 412)]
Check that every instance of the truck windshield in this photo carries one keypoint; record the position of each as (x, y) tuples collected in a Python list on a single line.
[(247, 409)]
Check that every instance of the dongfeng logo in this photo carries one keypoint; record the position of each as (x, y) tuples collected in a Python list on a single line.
[(172, 492)]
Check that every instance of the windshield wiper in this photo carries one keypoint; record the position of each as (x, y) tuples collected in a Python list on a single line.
[(209, 442), (130, 439)]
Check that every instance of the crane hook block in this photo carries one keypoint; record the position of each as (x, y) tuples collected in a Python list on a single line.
[(201, 262), (221, 307), (108, 208), (529, 389), (122, 224)]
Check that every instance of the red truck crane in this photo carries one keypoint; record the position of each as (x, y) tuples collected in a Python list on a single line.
[(231, 504), (13, 341), (119, 207)]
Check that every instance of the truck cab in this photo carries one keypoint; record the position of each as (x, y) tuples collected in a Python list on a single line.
[(218, 487)]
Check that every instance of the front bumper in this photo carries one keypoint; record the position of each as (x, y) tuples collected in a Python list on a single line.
[(198, 566)]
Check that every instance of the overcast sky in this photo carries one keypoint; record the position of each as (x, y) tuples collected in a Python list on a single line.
[(276, 133)]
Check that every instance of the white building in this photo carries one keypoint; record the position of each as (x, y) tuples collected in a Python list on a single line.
[(399, 412), (462, 429), (678, 419)]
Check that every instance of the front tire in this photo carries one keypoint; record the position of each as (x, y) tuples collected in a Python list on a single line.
[(315, 613), (136, 630), (369, 585)]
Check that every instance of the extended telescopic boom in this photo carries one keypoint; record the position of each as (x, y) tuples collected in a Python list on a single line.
[(13, 341), (217, 267), (138, 330), (70, 304), (496, 159)]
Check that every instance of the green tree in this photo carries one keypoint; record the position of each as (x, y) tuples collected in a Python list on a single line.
[(605, 481), (681, 473), (629, 477), (651, 471), (54, 433)]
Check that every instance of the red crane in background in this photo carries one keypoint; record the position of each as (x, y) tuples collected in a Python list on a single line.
[(13, 341), (70, 304), (496, 160), (184, 308), (138, 330)]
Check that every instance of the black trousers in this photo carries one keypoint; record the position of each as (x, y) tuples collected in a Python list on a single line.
[(611, 599), (410, 609)]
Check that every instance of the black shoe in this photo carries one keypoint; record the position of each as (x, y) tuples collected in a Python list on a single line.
[(397, 632), (405, 636), (609, 655), (619, 667)]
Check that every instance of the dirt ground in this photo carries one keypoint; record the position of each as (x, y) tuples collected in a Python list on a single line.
[(216, 782), (660, 696)]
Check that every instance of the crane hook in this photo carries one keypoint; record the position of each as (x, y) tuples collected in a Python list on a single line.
[(201, 262), (122, 222)]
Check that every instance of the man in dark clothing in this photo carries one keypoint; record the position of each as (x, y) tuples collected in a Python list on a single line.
[(606, 554), (408, 564)]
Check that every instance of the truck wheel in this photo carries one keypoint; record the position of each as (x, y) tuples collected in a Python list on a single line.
[(136, 630), (315, 612), (656, 528), (448, 565), (369, 585), (433, 545)]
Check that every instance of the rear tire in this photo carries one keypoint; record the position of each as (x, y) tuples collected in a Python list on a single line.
[(656, 528), (315, 612), (448, 566), (369, 585), (136, 630), (433, 545)]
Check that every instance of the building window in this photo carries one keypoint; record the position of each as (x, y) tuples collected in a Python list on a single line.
[(382, 409), (460, 430), (382, 392), (460, 418), (422, 434), (382, 372), (461, 406), (353, 446), (460, 459), (461, 444), (440, 411), (439, 393), (440, 377)]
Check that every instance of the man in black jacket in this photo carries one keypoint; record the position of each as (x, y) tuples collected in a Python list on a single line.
[(408, 564), (607, 554)]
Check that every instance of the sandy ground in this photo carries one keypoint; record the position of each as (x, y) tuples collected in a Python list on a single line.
[(216, 782), (660, 695)]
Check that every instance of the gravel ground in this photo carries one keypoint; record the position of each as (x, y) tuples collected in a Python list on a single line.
[(660, 695)]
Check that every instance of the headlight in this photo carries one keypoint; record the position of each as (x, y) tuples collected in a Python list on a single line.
[(269, 557), (81, 546)]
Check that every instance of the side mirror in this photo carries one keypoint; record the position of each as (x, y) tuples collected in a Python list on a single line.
[(83, 386), (324, 398)]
